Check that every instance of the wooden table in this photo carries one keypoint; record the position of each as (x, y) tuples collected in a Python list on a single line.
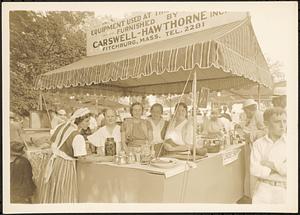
[(209, 182)]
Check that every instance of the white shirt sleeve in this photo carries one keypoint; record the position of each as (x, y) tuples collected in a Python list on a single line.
[(97, 138), (281, 167), (188, 133), (79, 146), (256, 168)]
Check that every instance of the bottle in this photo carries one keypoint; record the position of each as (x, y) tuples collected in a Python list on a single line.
[(110, 147), (231, 137)]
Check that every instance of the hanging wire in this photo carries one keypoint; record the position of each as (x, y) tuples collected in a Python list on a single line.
[(180, 99), (186, 167)]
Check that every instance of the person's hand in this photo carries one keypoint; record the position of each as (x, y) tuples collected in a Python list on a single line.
[(125, 148), (170, 142), (267, 163), (247, 137), (168, 147)]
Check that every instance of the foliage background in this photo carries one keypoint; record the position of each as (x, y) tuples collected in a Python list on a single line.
[(41, 42), (44, 41)]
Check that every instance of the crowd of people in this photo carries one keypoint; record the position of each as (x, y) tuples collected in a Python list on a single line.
[(81, 134)]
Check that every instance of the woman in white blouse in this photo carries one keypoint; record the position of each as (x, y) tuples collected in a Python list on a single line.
[(158, 126), (179, 135), (111, 129)]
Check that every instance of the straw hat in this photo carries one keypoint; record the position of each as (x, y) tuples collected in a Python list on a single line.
[(61, 112), (17, 148), (249, 102)]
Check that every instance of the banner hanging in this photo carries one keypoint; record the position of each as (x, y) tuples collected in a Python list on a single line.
[(149, 27)]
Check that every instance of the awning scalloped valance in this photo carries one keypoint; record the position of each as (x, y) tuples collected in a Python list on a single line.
[(230, 59)]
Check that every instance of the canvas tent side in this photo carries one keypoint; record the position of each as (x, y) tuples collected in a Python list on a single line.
[(223, 57)]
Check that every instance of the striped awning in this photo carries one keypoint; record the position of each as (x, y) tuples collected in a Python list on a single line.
[(224, 57)]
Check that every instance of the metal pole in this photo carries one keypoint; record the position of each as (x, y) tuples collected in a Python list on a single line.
[(40, 106), (258, 96), (194, 114)]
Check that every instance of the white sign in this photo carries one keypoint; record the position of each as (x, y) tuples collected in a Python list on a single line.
[(150, 27), (230, 156)]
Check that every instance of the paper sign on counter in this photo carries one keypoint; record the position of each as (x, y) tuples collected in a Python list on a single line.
[(230, 156)]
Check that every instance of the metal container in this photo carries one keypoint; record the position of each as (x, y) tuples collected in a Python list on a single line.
[(110, 147), (120, 159), (130, 158)]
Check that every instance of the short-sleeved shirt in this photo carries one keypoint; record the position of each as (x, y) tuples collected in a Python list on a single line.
[(182, 134), (157, 130), (98, 138), (93, 123), (136, 134), (74, 145)]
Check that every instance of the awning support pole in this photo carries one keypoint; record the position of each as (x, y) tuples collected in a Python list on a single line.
[(40, 106), (194, 114), (258, 96)]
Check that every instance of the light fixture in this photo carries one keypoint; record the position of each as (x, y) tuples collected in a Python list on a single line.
[(219, 93)]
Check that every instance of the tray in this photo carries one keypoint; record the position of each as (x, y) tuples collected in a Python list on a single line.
[(190, 158), (164, 163)]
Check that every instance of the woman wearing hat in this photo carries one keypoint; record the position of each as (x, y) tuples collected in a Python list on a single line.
[(22, 186), (252, 121), (59, 184)]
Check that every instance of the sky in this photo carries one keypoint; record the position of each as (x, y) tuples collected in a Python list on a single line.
[(271, 22), (275, 23)]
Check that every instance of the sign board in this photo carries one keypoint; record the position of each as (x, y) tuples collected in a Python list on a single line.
[(39, 119), (230, 156), (203, 97), (149, 27)]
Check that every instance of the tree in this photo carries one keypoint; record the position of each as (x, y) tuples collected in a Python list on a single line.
[(275, 68), (41, 42)]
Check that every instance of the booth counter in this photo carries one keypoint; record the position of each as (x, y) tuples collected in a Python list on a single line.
[(211, 181)]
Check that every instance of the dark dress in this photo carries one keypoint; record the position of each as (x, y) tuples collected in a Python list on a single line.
[(21, 184)]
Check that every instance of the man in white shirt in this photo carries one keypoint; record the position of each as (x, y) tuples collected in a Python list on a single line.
[(268, 160), (93, 123), (111, 129)]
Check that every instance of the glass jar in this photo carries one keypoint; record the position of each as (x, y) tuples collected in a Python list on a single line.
[(110, 147)]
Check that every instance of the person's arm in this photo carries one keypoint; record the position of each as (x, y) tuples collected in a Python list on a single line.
[(164, 130), (79, 146), (276, 167), (281, 167), (187, 133), (256, 165), (150, 132), (170, 146), (96, 139)]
